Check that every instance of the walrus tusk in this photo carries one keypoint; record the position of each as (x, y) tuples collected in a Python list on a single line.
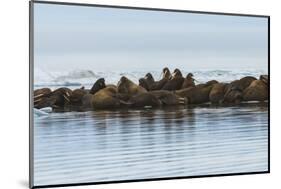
[(125, 103), (38, 100), (37, 96), (67, 94), (182, 101), (55, 106), (147, 107), (173, 75), (66, 98)]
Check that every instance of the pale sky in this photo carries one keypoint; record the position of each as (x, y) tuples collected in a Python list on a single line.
[(76, 37)]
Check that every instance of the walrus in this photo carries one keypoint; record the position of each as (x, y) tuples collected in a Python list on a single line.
[(143, 83), (76, 97), (144, 100), (103, 99), (195, 95), (99, 84), (57, 99), (60, 97), (264, 78), (166, 75), (77, 94), (41, 92), (128, 87), (217, 93), (40, 97), (147, 81), (45, 102), (234, 90), (188, 81), (86, 101), (168, 98), (149, 77), (256, 91), (176, 81)]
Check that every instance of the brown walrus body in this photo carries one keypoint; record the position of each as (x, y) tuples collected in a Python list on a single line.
[(87, 101), (234, 90), (188, 81), (126, 86), (243, 83), (41, 97), (168, 98), (155, 99), (217, 93), (147, 81), (105, 98), (264, 78), (175, 83), (41, 92), (98, 85), (257, 91), (158, 85), (77, 94), (59, 98), (76, 97), (143, 83), (144, 100), (196, 95)]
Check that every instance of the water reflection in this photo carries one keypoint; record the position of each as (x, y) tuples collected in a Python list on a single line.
[(150, 143)]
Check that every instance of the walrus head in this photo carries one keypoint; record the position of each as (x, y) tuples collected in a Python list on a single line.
[(149, 77), (123, 80), (166, 73), (143, 83), (60, 97), (264, 78), (122, 86), (125, 85), (99, 84), (189, 75), (176, 73)]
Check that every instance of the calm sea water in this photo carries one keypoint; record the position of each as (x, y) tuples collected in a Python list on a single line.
[(75, 147)]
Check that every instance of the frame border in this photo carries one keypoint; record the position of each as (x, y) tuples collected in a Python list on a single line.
[(31, 82), (31, 104)]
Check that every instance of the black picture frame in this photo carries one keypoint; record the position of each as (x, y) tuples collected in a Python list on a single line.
[(31, 70)]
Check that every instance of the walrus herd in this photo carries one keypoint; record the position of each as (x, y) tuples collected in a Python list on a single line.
[(171, 89)]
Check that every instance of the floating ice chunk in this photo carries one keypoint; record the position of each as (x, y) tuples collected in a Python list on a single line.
[(39, 113), (46, 109)]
